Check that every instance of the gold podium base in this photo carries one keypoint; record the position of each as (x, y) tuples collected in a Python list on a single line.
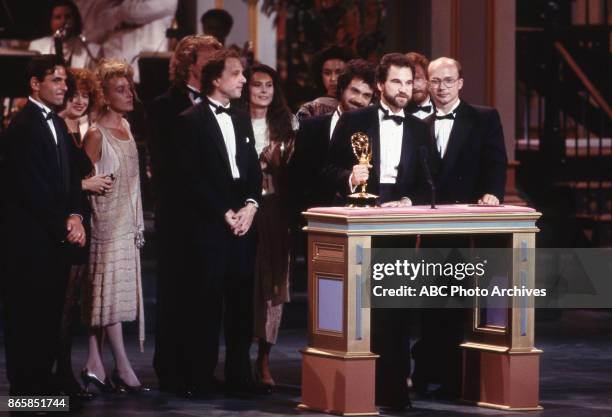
[(328, 383)]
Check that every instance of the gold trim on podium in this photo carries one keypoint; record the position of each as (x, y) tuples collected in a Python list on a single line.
[(339, 354), (502, 407), (304, 407)]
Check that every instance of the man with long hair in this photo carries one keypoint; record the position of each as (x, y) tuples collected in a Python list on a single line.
[(186, 64)]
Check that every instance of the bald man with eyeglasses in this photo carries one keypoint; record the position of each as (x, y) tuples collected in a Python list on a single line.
[(468, 162), (468, 151)]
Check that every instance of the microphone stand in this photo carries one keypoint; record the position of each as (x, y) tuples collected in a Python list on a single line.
[(430, 181)]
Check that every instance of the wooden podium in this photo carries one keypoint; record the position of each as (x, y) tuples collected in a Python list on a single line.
[(500, 365)]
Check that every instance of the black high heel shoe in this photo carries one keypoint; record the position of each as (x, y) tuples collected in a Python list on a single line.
[(265, 386), (89, 377), (124, 387)]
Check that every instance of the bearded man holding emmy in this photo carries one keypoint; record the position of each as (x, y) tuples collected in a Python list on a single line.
[(381, 146), (394, 172)]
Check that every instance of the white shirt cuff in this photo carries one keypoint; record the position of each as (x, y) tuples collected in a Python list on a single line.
[(250, 200), (351, 186)]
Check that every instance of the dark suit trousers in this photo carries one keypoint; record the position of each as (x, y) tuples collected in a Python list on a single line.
[(220, 294), (33, 295), (391, 338), (437, 355), (172, 292)]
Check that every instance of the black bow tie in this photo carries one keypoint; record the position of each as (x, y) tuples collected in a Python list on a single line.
[(426, 108), (221, 109), (450, 116), (397, 119), (47, 114)]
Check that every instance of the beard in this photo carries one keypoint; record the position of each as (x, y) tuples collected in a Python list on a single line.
[(419, 96), (353, 105), (398, 100)]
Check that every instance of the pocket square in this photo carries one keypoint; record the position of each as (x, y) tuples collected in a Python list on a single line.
[(248, 139)]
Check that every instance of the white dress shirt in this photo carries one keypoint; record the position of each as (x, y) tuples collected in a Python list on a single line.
[(128, 27), (443, 129), (424, 114), (390, 145), (45, 110), (229, 136), (262, 135), (334, 121), (75, 52)]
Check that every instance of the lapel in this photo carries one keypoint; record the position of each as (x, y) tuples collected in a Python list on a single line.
[(407, 151), (45, 132), (181, 99), (62, 147), (326, 127), (374, 135), (215, 133), (46, 138), (432, 146), (241, 150), (459, 134)]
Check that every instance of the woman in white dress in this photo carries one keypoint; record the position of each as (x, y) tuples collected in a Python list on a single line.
[(114, 290)]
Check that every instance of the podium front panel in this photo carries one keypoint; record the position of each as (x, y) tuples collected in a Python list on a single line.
[(338, 359)]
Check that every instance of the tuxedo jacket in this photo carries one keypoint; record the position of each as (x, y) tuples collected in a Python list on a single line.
[(163, 114), (475, 160), (42, 187), (309, 162), (410, 181), (206, 185)]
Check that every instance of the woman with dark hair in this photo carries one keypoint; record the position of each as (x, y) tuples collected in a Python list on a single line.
[(66, 27), (274, 127), (326, 67), (78, 103)]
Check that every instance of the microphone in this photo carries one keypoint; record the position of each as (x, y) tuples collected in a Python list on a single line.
[(62, 33), (430, 181)]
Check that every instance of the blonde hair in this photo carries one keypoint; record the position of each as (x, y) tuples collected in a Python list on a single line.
[(107, 69), (186, 54)]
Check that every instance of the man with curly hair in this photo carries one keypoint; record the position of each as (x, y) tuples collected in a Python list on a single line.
[(186, 64)]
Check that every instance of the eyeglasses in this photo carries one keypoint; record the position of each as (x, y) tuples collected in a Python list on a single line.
[(447, 82)]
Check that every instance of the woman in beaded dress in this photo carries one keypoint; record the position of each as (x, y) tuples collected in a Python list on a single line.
[(114, 285), (274, 128)]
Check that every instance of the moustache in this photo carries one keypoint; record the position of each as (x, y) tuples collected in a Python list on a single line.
[(354, 103), (402, 96)]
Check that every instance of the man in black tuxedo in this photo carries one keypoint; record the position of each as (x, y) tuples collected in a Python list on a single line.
[(395, 139), (41, 216), (356, 86), (468, 150), (221, 183), (468, 160), (186, 64), (395, 175), (421, 104)]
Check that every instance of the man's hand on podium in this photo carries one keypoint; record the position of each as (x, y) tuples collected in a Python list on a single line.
[(403, 202), (489, 200)]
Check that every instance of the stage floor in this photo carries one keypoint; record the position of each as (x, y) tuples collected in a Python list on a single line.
[(576, 378)]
